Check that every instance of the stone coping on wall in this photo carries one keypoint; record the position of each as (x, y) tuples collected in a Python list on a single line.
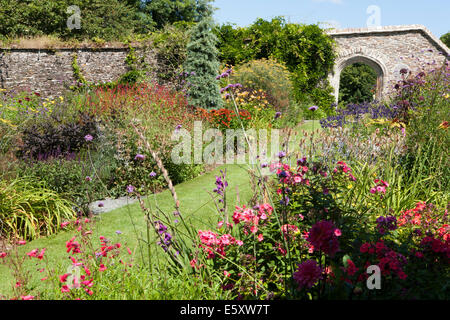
[(384, 30)]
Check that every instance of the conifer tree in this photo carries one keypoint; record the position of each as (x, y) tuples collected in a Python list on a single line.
[(203, 65)]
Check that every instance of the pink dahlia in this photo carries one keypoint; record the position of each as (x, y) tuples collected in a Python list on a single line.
[(322, 236), (307, 274)]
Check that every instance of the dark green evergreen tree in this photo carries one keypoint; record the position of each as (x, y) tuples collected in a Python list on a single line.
[(203, 66)]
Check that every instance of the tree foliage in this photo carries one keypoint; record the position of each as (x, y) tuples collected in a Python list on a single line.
[(203, 66), (306, 50), (104, 19), (446, 39), (357, 83), (164, 12)]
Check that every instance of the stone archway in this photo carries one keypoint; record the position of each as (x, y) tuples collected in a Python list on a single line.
[(387, 50), (374, 63)]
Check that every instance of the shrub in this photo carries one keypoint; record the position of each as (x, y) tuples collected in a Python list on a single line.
[(55, 134), (306, 51), (157, 109), (269, 76), (423, 104), (170, 44)]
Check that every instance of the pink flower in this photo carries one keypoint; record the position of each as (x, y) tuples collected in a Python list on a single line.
[(63, 278), (322, 237), (64, 224), (21, 242), (260, 237), (102, 268), (65, 288), (226, 273), (337, 232), (307, 274), (41, 254), (32, 253), (3, 254), (364, 247), (27, 297)]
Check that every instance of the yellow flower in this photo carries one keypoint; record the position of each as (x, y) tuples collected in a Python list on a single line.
[(350, 186)]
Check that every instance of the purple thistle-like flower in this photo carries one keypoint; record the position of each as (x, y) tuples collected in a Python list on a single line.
[(88, 137), (178, 127), (119, 232), (281, 154), (101, 204), (139, 157), (88, 179), (313, 108), (130, 188), (277, 115), (153, 174)]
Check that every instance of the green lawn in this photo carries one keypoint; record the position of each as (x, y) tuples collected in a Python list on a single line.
[(196, 206)]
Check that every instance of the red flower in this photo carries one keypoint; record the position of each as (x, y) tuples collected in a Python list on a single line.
[(351, 268), (307, 274)]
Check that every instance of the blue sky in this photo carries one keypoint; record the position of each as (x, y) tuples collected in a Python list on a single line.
[(433, 14)]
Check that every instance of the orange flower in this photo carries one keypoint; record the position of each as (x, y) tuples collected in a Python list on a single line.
[(444, 125)]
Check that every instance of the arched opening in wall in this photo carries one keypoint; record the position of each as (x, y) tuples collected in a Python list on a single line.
[(358, 83), (360, 79)]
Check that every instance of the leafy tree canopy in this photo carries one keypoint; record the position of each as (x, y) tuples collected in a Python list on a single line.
[(104, 19), (306, 50)]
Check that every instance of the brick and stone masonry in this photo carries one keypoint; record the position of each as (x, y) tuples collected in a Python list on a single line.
[(387, 50), (49, 71)]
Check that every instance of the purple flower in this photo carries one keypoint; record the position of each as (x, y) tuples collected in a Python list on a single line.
[(119, 232), (386, 223), (313, 108), (101, 204), (88, 137), (277, 115), (130, 189), (281, 154), (88, 179), (153, 174), (139, 157), (178, 127)]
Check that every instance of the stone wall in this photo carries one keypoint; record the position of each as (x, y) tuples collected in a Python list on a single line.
[(49, 71), (388, 50)]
